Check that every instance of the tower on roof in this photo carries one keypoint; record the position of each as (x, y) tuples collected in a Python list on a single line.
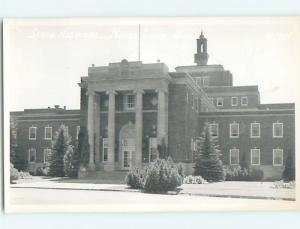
[(201, 57)]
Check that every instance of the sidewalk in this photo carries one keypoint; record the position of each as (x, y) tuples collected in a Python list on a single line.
[(250, 190)]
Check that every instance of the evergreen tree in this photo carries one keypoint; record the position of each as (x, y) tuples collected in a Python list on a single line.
[(59, 148), (69, 162), (15, 158), (289, 170), (208, 165)]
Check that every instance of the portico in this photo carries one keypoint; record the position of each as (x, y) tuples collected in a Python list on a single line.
[(124, 94)]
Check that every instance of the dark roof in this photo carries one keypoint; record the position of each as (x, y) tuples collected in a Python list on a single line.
[(231, 88), (277, 106), (45, 112)]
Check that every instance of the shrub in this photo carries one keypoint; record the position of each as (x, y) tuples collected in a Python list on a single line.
[(238, 173), (284, 185), (289, 169), (194, 180), (14, 174), (23, 175), (161, 176), (42, 171), (134, 179)]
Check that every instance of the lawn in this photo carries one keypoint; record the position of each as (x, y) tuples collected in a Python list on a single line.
[(235, 189)]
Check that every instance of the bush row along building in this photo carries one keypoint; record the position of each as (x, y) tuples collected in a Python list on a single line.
[(128, 109)]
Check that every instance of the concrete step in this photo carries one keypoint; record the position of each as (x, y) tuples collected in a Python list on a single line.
[(104, 177)]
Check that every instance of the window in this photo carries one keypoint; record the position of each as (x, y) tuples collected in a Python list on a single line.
[(219, 102), (192, 145), (77, 131), (129, 102), (234, 101), (277, 157), (127, 158), (196, 103), (47, 155), (197, 145), (193, 101), (153, 153), (187, 96), (31, 155), (244, 101), (255, 156), (255, 130), (214, 129), (234, 130), (48, 133), (202, 81), (205, 81), (277, 130), (32, 133), (105, 149), (199, 81), (234, 157)]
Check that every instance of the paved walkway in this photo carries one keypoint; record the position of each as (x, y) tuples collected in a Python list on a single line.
[(251, 190)]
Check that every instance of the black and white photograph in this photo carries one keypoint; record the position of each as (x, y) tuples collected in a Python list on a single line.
[(151, 114)]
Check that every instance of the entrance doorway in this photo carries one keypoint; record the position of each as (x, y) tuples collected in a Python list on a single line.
[(127, 145), (128, 149)]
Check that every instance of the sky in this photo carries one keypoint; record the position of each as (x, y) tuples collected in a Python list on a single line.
[(44, 59)]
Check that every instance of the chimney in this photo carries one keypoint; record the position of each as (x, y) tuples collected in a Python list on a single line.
[(65, 107), (56, 106)]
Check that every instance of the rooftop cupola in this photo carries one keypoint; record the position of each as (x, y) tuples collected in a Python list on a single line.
[(201, 57)]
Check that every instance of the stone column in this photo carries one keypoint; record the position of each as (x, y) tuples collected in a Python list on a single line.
[(139, 127), (97, 129), (111, 130), (162, 116), (90, 126)]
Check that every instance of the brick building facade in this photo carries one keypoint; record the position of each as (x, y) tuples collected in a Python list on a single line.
[(35, 130), (128, 109)]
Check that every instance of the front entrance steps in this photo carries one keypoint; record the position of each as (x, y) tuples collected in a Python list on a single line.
[(104, 177)]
